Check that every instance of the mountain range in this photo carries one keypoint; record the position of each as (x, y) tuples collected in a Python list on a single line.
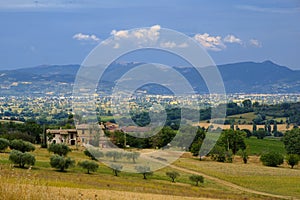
[(243, 77)]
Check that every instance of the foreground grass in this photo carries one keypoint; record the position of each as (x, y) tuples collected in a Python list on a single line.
[(281, 180), (43, 182)]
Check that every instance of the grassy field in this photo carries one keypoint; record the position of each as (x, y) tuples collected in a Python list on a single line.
[(276, 180), (76, 184), (257, 147)]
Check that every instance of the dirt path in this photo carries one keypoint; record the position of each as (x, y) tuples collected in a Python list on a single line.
[(229, 184)]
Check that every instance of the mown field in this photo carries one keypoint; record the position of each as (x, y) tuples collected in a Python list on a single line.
[(275, 180), (44, 182)]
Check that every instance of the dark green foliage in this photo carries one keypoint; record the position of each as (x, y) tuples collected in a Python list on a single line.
[(272, 159), (145, 170), (291, 140), (90, 166), (21, 145), (4, 143), (22, 159), (173, 175), (232, 140), (244, 155), (116, 168), (218, 153), (292, 160), (60, 149), (196, 179), (61, 163), (260, 134)]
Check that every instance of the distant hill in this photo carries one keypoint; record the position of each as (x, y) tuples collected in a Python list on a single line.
[(244, 77)]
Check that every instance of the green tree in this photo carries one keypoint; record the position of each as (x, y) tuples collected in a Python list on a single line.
[(197, 179), (114, 155), (145, 170), (173, 175), (4, 143), (272, 159), (254, 127), (90, 166), (218, 153), (22, 159), (244, 155), (275, 129), (21, 145), (247, 103), (61, 163), (291, 140), (292, 160), (60, 149), (116, 168), (260, 134), (132, 156), (232, 140)]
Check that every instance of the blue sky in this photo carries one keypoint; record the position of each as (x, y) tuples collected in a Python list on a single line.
[(65, 31)]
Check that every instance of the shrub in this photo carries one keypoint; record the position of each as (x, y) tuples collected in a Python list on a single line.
[(89, 166), (93, 153), (197, 179), (4, 143), (272, 159), (292, 160), (17, 157), (173, 175), (21, 145), (61, 163), (60, 149)]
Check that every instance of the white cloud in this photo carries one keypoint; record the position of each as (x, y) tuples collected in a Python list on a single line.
[(255, 43), (171, 45), (232, 39), (86, 37), (213, 43), (139, 36)]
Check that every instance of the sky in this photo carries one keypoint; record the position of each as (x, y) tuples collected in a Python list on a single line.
[(45, 32)]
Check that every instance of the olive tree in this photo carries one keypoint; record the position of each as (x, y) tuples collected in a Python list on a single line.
[(145, 170), (116, 168), (89, 166), (20, 158), (21, 145), (173, 175), (60, 149), (61, 163), (4, 143), (197, 179)]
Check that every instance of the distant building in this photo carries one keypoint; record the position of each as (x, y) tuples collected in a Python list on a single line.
[(83, 134)]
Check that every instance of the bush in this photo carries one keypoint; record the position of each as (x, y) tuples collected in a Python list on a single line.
[(272, 159), (60, 149), (61, 163), (292, 160), (197, 179), (17, 157), (4, 143), (173, 175), (89, 166), (21, 145)]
